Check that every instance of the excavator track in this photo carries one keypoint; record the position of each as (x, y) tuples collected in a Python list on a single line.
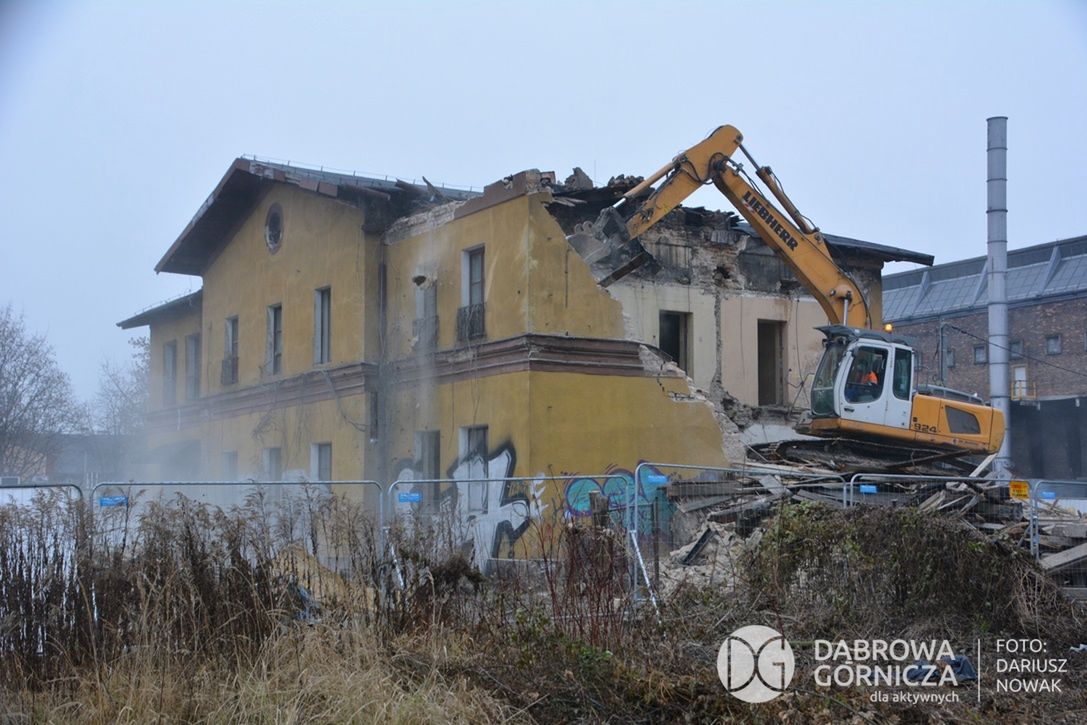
[(847, 455)]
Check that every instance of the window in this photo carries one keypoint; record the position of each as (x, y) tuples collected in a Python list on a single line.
[(192, 367), (475, 277), (1053, 345), (375, 416), (770, 339), (272, 462), (1020, 384), (322, 325), (473, 445), (864, 383), (981, 355), (949, 359), (1016, 349), (900, 383), (473, 442), (169, 373), (229, 374), (274, 357), (470, 317), (674, 337), (230, 466), (321, 461), (425, 326), (273, 228), (428, 454), (961, 421)]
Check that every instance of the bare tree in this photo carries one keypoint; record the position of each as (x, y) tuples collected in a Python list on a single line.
[(36, 399), (121, 402)]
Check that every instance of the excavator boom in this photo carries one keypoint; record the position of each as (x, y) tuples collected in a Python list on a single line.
[(865, 385), (805, 252)]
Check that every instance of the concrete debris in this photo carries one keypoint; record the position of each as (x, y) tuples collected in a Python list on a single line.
[(578, 181), (713, 558)]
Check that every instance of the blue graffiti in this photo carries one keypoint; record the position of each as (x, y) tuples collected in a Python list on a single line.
[(616, 487)]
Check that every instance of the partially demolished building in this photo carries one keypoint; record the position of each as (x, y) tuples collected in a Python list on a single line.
[(358, 328)]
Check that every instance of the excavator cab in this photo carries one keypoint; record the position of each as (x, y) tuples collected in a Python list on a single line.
[(865, 387), (864, 376)]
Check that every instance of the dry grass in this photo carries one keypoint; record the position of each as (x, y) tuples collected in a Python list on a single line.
[(196, 615)]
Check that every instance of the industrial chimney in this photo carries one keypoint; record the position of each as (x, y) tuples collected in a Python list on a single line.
[(997, 216)]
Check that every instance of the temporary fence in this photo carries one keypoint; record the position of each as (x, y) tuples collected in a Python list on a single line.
[(686, 520), (489, 518), (23, 493), (326, 520), (1058, 531)]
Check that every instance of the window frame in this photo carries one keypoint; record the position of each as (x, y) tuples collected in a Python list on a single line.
[(983, 358), (229, 374), (169, 373), (193, 354), (322, 325), (685, 321), (321, 461), (271, 459), (274, 344), (1049, 348)]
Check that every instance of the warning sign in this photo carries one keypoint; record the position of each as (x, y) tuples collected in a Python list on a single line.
[(1019, 489)]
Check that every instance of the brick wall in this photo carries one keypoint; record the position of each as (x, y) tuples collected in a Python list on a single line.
[(1063, 374)]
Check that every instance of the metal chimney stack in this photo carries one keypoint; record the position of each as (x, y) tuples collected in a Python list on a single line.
[(997, 216)]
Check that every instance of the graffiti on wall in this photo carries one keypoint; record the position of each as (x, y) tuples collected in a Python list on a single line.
[(486, 513), (616, 486)]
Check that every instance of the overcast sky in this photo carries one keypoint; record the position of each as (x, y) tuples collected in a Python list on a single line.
[(117, 119)]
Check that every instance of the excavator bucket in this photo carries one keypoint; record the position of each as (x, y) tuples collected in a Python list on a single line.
[(607, 248)]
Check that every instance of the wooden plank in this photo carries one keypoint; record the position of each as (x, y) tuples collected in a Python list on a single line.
[(984, 465), (732, 512), (773, 485), (702, 503), (818, 498), (1063, 559), (1072, 531)]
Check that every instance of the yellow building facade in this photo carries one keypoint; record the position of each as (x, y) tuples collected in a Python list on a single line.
[(351, 329)]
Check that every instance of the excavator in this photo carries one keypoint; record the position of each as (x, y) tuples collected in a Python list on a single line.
[(865, 385)]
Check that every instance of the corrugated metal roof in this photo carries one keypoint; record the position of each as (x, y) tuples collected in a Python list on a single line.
[(1044, 270)]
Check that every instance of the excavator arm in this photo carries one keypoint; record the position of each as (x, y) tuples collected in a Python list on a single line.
[(792, 236)]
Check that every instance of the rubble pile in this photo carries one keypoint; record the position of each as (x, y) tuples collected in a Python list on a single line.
[(718, 514)]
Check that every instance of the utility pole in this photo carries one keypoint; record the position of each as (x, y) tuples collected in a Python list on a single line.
[(996, 215)]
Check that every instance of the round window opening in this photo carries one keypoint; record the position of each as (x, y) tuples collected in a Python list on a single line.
[(273, 228)]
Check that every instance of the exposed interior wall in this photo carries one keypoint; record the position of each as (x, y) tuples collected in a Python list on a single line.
[(739, 344), (643, 300)]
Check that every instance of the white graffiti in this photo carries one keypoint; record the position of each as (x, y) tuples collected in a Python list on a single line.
[(482, 503)]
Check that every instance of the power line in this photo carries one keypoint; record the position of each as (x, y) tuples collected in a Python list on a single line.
[(1022, 355)]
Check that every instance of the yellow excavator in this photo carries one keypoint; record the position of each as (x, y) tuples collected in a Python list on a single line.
[(864, 386)]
